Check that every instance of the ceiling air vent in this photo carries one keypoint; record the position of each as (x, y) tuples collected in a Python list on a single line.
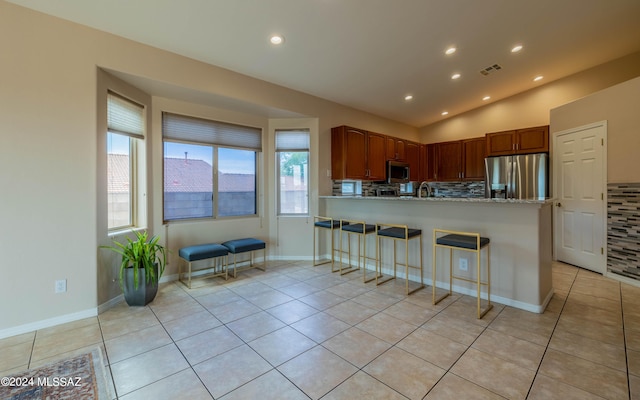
[(490, 69)]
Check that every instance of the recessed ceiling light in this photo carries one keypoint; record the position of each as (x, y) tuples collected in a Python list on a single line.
[(445, 112), (516, 48), (455, 76), (408, 97), (450, 50), (485, 98), (538, 78), (277, 39)]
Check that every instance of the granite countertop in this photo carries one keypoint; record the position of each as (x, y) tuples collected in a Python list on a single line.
[(447, 199)]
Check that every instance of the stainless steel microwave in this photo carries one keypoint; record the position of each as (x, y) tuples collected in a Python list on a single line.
[(397, 172)]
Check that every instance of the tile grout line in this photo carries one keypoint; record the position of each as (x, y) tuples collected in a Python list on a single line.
[(551, 336)]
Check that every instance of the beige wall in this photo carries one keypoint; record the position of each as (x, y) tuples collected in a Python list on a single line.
[(531, 108), (619, 105), (51, 164), (52, 172)]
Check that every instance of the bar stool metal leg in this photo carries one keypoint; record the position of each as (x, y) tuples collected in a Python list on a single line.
[(464, 241), (361, 229), (402, 233), (330, 224)]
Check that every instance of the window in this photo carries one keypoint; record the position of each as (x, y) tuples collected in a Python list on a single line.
[(210, 168), (292, 155), (125, 127)]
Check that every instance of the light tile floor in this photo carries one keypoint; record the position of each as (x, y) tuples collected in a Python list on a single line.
[(299, 332)]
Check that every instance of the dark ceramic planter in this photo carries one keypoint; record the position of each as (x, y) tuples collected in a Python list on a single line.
[(144, 294)]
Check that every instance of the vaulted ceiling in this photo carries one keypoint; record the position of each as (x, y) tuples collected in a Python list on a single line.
[(370, 54)]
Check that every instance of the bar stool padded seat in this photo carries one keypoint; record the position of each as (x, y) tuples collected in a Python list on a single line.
[(328, 224), (203, 251), (358, 228), (398, 233), (462, 241)]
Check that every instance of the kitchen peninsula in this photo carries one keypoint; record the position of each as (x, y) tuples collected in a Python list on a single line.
[(520, 232)]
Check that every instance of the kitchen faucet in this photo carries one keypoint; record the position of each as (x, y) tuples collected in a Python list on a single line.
[(424, 184)]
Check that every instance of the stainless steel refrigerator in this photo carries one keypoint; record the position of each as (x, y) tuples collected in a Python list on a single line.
[(517, 177)]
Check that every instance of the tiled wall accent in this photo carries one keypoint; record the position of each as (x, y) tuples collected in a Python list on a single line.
[(440, 189), (458, 189), (623, 230)]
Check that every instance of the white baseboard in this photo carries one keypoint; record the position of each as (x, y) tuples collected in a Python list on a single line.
[(110, 304), (47, 323)]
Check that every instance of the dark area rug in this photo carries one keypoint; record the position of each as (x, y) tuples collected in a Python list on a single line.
[(78, 377)]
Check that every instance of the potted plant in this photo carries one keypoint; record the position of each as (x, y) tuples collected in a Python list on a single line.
[(142, 265)]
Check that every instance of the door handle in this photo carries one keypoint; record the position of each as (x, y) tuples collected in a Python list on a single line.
[(559, 204)]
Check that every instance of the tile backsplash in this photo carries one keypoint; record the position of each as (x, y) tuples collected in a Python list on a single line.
[(439, 189), (623, 230)]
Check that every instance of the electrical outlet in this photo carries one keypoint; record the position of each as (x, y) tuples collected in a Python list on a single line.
[(61, 286), (463, 264)]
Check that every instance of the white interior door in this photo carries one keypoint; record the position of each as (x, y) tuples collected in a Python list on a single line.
[(579, 165)]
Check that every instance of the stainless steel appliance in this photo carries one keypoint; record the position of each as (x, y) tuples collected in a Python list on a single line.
[(523, 176), (397, 172)]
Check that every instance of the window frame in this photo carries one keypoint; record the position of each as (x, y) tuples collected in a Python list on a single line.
[(208, 132), (136, 136), (303, 147)]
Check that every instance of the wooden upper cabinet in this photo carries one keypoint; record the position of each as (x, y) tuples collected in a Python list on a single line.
[(533, 140), (357, 154), (396, 149), (473, 154), (501, 143), (376, 161), (412, 152), (449, 161), (348, 153), (520, 141), (429, 168)]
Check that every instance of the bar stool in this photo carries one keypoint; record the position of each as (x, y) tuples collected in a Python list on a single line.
[(361, 229), (332, 225), (465, 241), (403, 233)]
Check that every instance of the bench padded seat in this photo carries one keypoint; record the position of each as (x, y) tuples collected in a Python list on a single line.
[(462, 241), (203, 251), (242, 245)]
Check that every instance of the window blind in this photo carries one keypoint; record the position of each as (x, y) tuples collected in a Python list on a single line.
[(191, 129), (124, 116), (292, 140)]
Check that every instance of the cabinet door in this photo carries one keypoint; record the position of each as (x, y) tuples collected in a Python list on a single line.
[(391, 148), (412, 152), (430, 163), (533, 140), (376, 161), (396, 149), (449, 161), (501, 143), (401, 149), (355, 146), (473, 154)]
